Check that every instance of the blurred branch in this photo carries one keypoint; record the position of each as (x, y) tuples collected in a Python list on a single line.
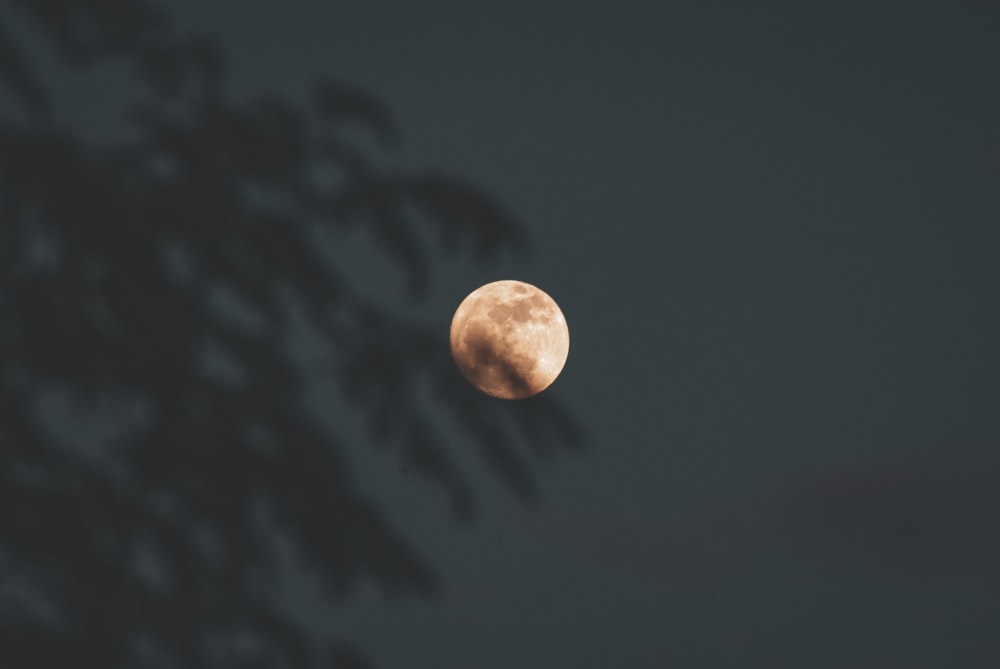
[(163, 267)]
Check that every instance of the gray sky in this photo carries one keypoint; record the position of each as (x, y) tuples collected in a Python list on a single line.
[(772, 229)]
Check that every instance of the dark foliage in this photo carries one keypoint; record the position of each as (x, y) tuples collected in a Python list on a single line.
[(153, 280)]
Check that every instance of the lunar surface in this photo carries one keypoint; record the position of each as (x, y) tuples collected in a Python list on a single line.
[(509, 339)]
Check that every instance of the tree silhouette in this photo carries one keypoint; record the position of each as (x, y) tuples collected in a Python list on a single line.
[(155, 446)]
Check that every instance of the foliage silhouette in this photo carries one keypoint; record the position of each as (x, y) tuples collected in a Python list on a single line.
[(155, 448)]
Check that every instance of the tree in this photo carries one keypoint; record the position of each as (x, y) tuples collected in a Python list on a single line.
[(148, 287)]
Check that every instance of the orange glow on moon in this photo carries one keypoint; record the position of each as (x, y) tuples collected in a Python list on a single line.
[(509, 339)]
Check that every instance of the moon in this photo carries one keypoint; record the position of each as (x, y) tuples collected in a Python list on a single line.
[(509, 339)]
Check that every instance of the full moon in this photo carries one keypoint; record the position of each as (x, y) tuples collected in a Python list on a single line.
[(509, 339)]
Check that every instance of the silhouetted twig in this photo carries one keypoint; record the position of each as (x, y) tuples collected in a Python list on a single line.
[(148, 288)]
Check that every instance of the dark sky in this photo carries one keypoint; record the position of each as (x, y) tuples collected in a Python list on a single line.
[(772, 228)]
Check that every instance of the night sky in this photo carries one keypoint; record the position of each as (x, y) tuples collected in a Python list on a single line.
[(772, 229)]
